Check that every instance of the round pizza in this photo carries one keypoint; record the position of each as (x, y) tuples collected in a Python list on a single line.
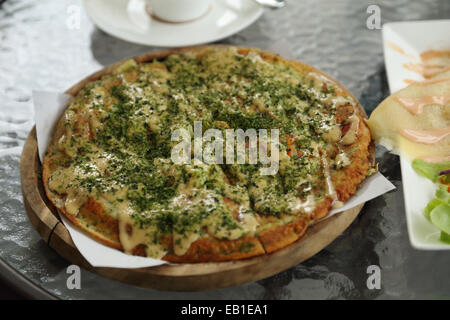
[(110, 168)]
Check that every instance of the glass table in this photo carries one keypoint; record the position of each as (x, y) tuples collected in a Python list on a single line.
[(39, 52)]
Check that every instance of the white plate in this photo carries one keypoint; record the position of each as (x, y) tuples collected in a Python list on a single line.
[(129, 21), (414, 38)]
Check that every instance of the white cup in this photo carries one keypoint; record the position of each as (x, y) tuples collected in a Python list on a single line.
[(178, 10)]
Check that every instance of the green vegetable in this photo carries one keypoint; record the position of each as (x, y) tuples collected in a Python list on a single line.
[(431, 205), (442, 193), (445, 237), (437, 210), (440, 217), (430, 169)]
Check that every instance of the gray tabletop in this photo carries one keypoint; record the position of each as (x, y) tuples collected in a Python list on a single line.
[(38, 52)]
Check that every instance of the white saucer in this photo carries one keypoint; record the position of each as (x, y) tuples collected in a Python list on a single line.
[(129, 21)]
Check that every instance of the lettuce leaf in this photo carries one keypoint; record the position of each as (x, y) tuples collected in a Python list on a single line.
[(437, 210), (442, 193), (430, 169)]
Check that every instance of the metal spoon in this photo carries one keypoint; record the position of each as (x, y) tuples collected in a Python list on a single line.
[(274, 4)]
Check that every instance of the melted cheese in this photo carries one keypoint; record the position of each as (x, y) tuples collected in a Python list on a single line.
[(330, 187), (352, 133), (74, 201), (333, 134), (132, 236)]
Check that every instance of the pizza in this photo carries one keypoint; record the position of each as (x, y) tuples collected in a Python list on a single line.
[(109, 169)]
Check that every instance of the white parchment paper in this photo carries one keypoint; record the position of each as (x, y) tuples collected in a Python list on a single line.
[(49, 106)]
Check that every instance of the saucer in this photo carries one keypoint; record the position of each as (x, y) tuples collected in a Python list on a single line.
[(129, 20)]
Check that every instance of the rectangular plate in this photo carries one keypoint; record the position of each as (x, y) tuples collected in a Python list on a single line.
[(403, 42)]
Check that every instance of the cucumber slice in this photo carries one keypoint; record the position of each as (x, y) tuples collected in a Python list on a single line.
[(440, 217), (431, 205)]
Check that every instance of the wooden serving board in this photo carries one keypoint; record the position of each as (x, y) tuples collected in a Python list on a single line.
[(176, 277)]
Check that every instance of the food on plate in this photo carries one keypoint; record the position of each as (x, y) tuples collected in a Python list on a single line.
[(108, 168), (415, 121), (438, 210)]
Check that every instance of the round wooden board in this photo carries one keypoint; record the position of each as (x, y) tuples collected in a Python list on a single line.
[(176, 277)]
